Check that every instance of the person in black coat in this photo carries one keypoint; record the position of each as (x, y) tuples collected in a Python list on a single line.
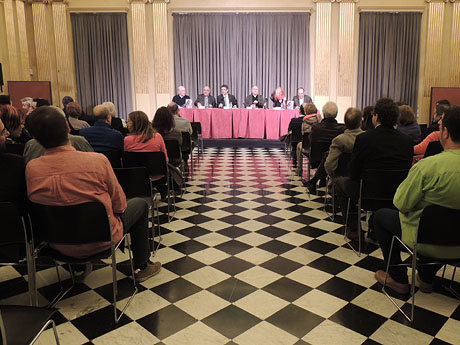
[(225, 99), (181, 97), (205, 99), (382, 148)]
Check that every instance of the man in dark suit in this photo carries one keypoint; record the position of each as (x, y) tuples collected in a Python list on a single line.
[(381, 148), (254, 100), (181, 97), (226, 100), (441, 107), (205, 99), (301, 98)]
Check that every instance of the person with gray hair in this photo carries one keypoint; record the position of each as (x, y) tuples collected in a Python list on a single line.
[(28, 105), (33, 149), (116, 123), (181, 97)]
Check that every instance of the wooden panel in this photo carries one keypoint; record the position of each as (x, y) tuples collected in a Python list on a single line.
[(323, 49), (62, 42), (41, 42), (454, 75), (346, 46), (11, 41), (140, 49), (434, 47), (22, 39), (161, 48)]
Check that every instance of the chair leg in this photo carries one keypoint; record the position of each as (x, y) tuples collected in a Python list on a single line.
[(32, 275), (450, 288), (53, 325), (63, 291), (155, 209)]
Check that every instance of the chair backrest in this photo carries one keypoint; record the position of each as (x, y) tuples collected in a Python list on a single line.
[(114, 157), (342, 166), (306, 141), (439, 226), (296, 136), (134, 181), (13, 228), (186, 142), (155, 162), (433, 148), (174, 152), (74, 224), (381, 185), (317, 151), (196, 130), (15, 148)]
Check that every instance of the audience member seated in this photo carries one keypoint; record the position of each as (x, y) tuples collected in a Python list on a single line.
[(142, 137), (12, 174), (33, 149), (117, 123), (419, 150), (163, 123), (407, 123), (40, 102), (101, 136), (28, 105), (310, 117), (180, 123), (433, 180), (73, 111), (367, 118), (89, 119), (441, 107), (65, 176), (343, 143), (13, 121), (381, 148)]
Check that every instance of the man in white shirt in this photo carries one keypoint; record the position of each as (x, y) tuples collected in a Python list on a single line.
[(226, 100), (301, 98)]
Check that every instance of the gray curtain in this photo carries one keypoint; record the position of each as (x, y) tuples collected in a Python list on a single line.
[(242, 50), (102, 60), (389, 54)]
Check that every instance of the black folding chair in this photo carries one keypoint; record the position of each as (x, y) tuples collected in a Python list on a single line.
[(433, 148), (21, 325), (197, 136), (158, 170), (377, 189), (114, 157), (340, 171), (187, 148), (15, 148), (438, 228), (84, 223), (16, 244), (136, 183), (317, 151), (174, 152)]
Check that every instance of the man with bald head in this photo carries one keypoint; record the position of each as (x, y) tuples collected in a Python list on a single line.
[(205, 99), (181, 97), (254, 100), (101, 136)]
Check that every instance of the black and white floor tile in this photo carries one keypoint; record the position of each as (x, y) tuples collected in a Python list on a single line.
[(249, 258)]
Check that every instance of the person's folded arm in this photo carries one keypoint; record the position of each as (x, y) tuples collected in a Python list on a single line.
[(410, 191)]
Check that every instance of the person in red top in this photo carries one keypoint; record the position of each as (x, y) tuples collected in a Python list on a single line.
[(142, 137), (65, 176)]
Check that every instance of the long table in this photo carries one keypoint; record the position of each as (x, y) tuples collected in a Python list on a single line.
[(241, 123)]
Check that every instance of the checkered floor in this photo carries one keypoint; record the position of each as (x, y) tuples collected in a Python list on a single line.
[(249, 258)]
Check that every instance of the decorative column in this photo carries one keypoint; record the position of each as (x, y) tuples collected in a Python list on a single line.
[(160, 32), (22, 39), (454, 74), (11, 40), (42, 47), (322, 52)]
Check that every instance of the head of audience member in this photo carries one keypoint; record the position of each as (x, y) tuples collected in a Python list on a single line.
[(353, 118), (330, 110), (3, 135), (28, 105), (367, 123), (308, 109), (40, 102), (300, 92), (73, 109), (206, 91), (12, 119), (49, 127), (400, 103), (5, 100), (406, 115), (386, 113), (101, 113), (255, 90), (174, 109), (441, 107), (224, 89), (66, 100), (139, 124), (279, 93), (450, 129), (181, 91), (111, 107), (163, 122)]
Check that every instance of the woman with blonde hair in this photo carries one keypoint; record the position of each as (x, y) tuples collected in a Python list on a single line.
[(142, 137)]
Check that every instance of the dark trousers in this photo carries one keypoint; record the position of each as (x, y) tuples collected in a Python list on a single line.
[(387, 225), (320, 173), (136, 221), (346, 188)]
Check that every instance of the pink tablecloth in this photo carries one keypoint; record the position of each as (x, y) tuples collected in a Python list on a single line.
[(241, 123)]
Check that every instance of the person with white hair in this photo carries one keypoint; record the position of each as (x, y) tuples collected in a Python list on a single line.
[(116, 123), (28, 105), (181, 97)]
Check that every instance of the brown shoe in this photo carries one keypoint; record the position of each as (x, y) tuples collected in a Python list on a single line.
[(151, 270), (424, 287), (394, 285)]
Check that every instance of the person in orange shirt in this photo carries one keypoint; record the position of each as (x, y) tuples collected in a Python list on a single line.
[(65, 176)]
